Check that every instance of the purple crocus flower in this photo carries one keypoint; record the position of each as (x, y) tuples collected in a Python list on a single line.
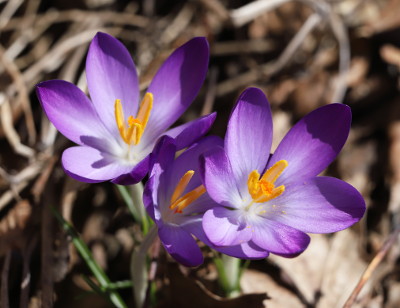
[(115, 134), (272, 201), (176, 200)]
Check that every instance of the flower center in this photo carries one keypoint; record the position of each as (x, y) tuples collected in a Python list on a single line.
[(132, 130), (263, 189), (179, 202)]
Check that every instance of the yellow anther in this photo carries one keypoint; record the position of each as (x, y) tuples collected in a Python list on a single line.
[(132, 130), (180, 188), (263, 190), (178, 203), (187, 199)]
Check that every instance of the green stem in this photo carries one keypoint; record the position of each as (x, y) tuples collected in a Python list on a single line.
[(86, 255), (132, 195), (229, 273), (139, 267)]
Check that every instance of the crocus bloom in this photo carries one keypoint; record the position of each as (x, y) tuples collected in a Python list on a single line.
[(176, 199), (272, 201), (115, 134)]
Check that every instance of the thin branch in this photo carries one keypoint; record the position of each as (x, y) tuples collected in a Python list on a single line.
[(372, 267)]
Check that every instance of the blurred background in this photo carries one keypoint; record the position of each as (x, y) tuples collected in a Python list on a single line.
[(302, 54)]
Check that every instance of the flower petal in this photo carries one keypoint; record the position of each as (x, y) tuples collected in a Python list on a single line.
[(89, 165), (136, 173), (72, 113), (246, 250), (223, 227), (249, 135), (150, 196), (320, 205), (313, 143), (218, 178), (180, 245), (188, 133), (279, 239), (176, 84), (111, 75)]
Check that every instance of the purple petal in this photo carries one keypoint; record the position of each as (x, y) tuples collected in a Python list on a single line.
[(136, 173), (313, 143), (279, 238), (223, 227), (111, 75), (246, 250), (72, 113), (162, 157), (190, 132), (320, 205), (249, 135), (189, 160), (218, 178), (89, 165), (150, 196), (176, 84), (180, 245)]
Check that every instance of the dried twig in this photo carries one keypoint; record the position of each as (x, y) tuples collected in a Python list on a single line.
[(9, 130), (372, 267)]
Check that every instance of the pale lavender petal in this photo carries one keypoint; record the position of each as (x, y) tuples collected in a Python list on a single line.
[(176, 84), (89, 165), (224, 227), (180, 245), (279, 239), (313, 143), (218, 178), (188, 133), (111, 75), (72, 113), (319, 205), (246, 250), (249, 134), (136, 173)]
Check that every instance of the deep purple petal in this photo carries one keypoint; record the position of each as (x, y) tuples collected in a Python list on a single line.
[(218, 178), (190, 132), (223, 227), (176, 84), (180, 245), (72, 113), (111, 75), (89, 165), (150, 196), (313, 143), (246, 250), (279, 238), (320, 205), (136, 173), (249, 135)]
